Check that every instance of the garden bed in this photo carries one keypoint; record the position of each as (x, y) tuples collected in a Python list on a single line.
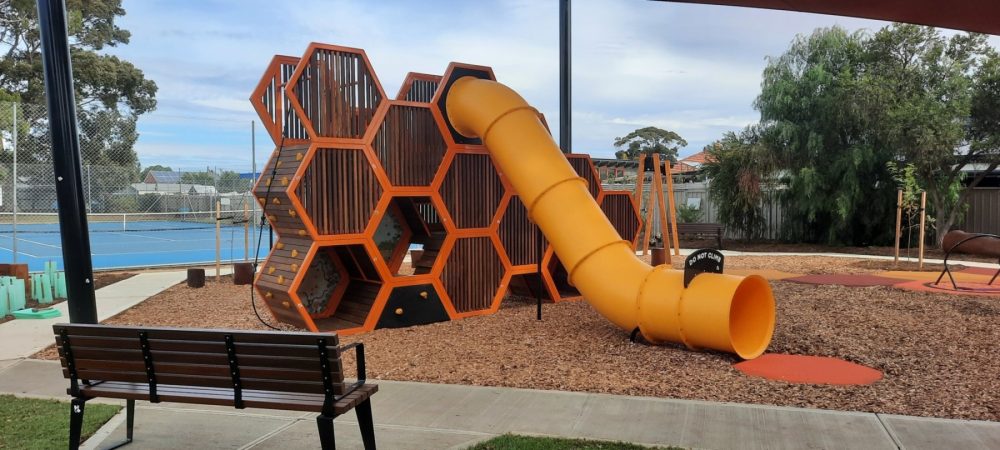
[(937, 351), (101, 279)]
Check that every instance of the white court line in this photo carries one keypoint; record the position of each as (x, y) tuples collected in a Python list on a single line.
[(39, 243), (157, 251), (132, 233), (19, 252)]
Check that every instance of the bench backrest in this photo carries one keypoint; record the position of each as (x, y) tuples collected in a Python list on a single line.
[(699, 228), (267, 361)]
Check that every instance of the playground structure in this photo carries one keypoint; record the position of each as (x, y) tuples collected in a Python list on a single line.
[(357, 178)]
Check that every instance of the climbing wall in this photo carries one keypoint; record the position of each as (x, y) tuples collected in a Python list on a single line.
[(357, 178)]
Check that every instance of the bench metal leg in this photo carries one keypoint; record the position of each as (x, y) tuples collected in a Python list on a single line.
[(76, 407), (326, 439), (364, 411), (129, 423)]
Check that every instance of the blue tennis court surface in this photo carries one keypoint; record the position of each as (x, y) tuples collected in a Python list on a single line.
[(142, 244)]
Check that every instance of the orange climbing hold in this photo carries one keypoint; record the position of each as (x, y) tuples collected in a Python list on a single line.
[(808, 369)]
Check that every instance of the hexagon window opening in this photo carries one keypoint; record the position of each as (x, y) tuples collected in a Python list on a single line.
[(410, 225), (325, 280), (363, 287)]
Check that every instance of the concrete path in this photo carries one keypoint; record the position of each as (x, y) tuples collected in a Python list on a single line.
[(432, 416), (991, 265), (22, 338)]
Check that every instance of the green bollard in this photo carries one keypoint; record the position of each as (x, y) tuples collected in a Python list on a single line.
[(46, 289), (61, 285), (36, 286), (50, 272), (15, 294), (4, 303)]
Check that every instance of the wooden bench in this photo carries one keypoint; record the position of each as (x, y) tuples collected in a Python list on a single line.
[(701, 230), (273, 370)]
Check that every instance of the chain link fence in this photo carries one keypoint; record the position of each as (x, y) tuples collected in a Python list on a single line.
[(115, 188)]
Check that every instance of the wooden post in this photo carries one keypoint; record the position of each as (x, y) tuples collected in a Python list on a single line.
[(899, 223), (246, 230), (661, 206), (923, 217), (673, 210), (639, 179), (218, 240)]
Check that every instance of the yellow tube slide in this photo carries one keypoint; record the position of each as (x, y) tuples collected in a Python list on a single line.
[(716, 311)]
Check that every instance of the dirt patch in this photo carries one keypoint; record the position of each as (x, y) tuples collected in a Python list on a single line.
[(101, 279), (937, 351)]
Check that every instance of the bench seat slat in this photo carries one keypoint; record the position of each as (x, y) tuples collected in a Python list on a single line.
[(219, 370), (224, 397), (198, 358), (195, 334), (206, 381), (197, 346)]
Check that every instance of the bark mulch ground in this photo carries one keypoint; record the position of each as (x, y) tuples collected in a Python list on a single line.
[(937, 351)]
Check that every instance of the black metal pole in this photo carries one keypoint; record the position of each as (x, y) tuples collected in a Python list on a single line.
[(565, 78), (66, 161)]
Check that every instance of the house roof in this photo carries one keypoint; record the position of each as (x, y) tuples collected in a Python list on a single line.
[(691, 163), (173, 188), (682, 167), (164, 176)]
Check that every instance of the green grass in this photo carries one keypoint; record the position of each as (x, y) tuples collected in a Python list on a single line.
[(518, 442), (29, 423)]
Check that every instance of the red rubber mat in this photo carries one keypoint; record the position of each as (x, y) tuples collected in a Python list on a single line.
[(945, 287), (846, 280), (980, 271), (808, 369)]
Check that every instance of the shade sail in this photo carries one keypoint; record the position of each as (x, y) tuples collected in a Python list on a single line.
[(981, 16)]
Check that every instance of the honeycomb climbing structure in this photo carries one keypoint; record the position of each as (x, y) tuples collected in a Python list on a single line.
[(385, 216)]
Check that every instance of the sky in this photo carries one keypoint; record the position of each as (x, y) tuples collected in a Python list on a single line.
[(692, 69)]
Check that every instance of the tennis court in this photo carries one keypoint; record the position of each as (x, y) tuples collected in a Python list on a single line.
[(120, 241)]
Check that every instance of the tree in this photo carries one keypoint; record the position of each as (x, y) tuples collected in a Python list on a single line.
[(821, 105), (110, 92), (648, 141), (930, 121), (741, 167), (154, 167)]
